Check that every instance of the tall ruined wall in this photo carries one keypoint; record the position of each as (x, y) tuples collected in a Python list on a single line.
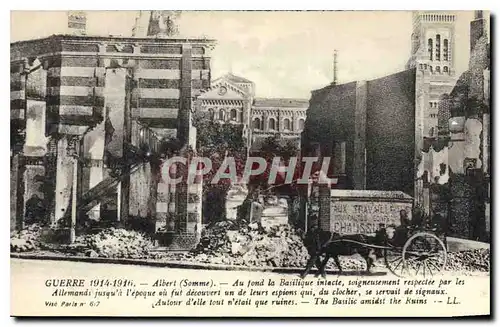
[(376, 119), (331, 118), (165, 75), (390, 133)]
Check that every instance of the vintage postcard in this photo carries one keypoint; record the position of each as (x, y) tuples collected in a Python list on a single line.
[(250, 163)]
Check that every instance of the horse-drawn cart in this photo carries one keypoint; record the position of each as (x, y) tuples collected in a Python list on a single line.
[(408, 251), (416, 251), (374, 224)]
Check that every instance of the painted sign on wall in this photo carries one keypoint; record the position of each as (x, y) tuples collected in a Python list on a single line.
[(358, 215)]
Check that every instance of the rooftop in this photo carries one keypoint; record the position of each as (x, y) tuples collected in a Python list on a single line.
[(117, 37), (236, 79), (281, 102), (348, 85)]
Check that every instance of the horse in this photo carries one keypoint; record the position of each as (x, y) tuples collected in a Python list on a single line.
[(347, 245), (313, 240)]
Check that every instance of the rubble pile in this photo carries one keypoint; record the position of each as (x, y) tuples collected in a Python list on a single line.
[(27, 239), (115, 243), (239, 243), (469, 260), (227, 242), (356, 263)]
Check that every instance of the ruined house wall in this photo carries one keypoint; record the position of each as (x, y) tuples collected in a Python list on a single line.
[(376, 117), (390, 133), (332, 117), (377, 120), (166, 74), (464, 133)]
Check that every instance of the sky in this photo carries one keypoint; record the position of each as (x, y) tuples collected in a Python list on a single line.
[(286, 54)]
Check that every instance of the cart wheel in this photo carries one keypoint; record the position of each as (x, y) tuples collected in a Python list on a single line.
[(424, 254), (394, 261)]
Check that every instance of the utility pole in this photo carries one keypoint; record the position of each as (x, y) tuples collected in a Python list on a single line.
[(334, 67)]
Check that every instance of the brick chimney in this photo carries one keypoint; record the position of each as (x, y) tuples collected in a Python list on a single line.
[(77, 22)]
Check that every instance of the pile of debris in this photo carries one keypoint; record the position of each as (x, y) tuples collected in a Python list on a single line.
[(239, 243), (27, 239), (469, 260), (114, 243), (354, 263)]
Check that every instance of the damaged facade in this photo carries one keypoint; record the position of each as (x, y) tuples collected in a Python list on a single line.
[(92, 119), (456, 175), (357, 124), (381, 135), (368, 130)]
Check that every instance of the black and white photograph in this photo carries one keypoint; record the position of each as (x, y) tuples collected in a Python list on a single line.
[(250, 163)]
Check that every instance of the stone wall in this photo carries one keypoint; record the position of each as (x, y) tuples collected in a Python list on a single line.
[(390, 133), (86, 84)]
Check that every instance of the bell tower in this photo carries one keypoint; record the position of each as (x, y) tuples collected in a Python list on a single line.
[(433, 51), (433, 41)]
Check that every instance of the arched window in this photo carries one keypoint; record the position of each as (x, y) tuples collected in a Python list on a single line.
[(256, 123), (221, 114), (286, 124), (234, 114), (430, 69), (446, 56), (445, 69), (211, 113), (429, 48), (272, 124), (438, 47), (431, 132), (438, 69), (301, 124)]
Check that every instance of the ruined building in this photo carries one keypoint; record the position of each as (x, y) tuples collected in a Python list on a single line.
[(368, 129), (378, 132), (457, 170), (91, 121)]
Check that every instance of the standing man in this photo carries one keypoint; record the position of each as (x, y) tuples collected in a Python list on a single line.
[(252, 208), (403, 218), (256, 210), (401, 231)]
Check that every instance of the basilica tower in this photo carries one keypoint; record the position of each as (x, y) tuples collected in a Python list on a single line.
[(433, 51)]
